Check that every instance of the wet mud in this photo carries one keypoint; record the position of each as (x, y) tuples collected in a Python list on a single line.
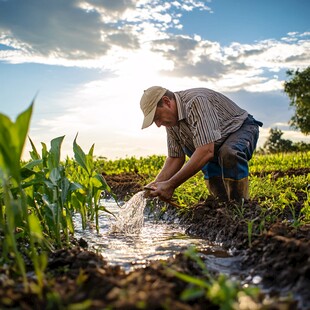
[(277, 253)]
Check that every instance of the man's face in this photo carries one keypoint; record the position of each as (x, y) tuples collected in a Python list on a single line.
[(166, 115)]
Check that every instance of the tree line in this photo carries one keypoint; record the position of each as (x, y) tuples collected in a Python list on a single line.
[(298, 90)]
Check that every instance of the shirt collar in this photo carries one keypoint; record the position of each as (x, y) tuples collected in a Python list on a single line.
[(181, 111)]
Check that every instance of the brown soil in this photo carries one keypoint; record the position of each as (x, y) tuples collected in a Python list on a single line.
[(278, 253)]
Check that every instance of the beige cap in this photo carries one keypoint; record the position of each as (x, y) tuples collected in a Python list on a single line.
[(148, 103)]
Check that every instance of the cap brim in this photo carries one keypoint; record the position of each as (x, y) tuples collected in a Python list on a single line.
[(148, 120)]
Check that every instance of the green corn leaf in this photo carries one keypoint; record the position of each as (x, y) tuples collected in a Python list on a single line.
[(22, 126), (48, 183), (91, 151), (26, 173), (32, 164), (34, 154), (69, 222), (54, 153), (55, 176), (189, 279), (75, 186), (80, 156), (35, 227), (13, 136), (66, 189), (192, 293), (97, 182), (6, 146), (102, 208), (44, 154), (103, 183)]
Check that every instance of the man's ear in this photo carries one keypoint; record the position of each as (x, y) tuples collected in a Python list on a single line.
[(166, 100)]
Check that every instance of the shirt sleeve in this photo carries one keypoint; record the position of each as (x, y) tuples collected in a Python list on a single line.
[(174, 146), (204, 122)]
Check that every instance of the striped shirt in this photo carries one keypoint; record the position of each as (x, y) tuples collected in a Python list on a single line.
[(205, 116)]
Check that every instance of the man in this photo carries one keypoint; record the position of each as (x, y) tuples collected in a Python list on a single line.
[(217, 135)]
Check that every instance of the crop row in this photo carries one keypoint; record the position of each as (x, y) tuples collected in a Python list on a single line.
[(39, 197)]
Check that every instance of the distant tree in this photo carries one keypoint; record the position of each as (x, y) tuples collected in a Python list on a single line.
[(302, 146), (275, 144), (298, 90)]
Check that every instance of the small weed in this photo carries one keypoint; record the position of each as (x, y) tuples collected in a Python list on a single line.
[(218, 290)]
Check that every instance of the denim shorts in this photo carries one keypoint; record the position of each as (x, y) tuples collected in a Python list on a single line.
[(232, 155)]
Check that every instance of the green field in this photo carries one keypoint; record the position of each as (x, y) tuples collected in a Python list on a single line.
[(39, 197)]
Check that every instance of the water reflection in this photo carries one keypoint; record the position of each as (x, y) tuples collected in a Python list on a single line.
[(157, 240)]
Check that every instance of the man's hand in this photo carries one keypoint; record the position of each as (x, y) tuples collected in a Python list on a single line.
[(148, 189), (163, 190)]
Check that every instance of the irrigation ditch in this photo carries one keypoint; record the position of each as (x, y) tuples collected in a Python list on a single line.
[(278, 255)]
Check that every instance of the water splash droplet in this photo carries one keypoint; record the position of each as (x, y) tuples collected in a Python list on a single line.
[(130, 218)]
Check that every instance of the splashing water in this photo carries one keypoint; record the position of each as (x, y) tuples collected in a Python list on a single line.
[(140, 237), (130, 219)]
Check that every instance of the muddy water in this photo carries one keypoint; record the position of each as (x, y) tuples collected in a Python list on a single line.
[(157, 240)]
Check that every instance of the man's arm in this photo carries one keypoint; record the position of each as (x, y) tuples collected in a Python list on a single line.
[(171, 167), (165, 188)]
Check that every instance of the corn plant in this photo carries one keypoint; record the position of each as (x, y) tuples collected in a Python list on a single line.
[(16, 222), (38, 198), (49, 191), (305, 211), (93, 184)]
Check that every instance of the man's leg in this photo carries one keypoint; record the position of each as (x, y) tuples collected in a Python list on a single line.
[(214, 180), (233, 157)]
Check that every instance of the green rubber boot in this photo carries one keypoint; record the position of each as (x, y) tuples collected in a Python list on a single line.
[(216, 188), (237, 190)]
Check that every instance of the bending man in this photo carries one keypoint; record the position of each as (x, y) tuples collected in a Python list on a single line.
[(217, 135)]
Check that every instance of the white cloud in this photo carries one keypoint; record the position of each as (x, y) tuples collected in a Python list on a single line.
[(110, 35), (136, 42), (295, 136), (270, 85)]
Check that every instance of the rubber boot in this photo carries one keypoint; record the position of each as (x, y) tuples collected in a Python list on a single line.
[(216, 188), (237, 189)]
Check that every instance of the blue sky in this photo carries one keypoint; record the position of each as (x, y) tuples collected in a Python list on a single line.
[(87, 63)]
